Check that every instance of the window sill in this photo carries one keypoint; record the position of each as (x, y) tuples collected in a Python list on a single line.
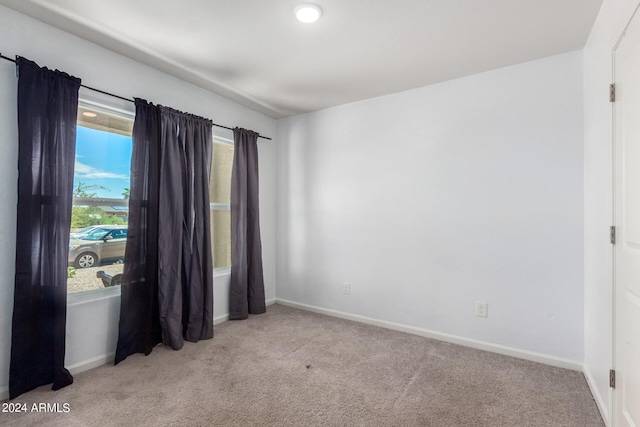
[(78, 298), (224, 271)]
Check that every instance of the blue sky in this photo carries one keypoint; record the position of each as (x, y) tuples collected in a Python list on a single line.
[(102, 158)]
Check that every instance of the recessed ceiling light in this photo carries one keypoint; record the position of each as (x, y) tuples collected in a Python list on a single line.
[(89, 114), (308, 13)]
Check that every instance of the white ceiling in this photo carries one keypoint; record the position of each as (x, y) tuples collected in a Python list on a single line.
[(256, 53)]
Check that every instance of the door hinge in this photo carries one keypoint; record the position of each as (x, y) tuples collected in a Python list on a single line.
[(612, 234), (612, 378), (612, 92)]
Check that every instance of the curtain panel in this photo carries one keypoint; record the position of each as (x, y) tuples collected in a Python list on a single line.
[(185, 262), (247, 282), (47, 111), (139, 319), (167, 291)]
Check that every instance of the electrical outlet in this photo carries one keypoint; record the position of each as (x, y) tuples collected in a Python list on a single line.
[(482, 309), (346, 288)]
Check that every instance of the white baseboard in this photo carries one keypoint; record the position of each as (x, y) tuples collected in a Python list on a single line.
[(220, 319), (74, 369), (600, 402), (454, 339), (94, 362), (225, 317)]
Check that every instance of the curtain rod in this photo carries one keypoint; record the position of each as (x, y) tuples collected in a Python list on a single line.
[(125, 99)]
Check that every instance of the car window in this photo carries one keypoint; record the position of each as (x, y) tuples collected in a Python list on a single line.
[(86, 229), (96, 234), (119, 234)]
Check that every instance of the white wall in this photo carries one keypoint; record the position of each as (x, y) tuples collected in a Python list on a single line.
[(432, 199), (598, 173), (92, 326)]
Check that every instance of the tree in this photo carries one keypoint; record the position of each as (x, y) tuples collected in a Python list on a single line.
[(83, 190), (125, 193), (84, 216)]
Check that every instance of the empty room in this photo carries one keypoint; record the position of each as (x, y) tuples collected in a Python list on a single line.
[(324, 213)]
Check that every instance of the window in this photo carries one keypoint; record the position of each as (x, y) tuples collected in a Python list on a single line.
[(101, 192), (101, 185), (220, 198)]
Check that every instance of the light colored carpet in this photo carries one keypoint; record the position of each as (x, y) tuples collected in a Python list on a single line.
[(294, 368)]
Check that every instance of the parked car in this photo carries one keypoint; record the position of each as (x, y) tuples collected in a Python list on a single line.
[(84, 231), (105, 243)]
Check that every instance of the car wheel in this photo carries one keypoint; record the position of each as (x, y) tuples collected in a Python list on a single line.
[(86, 260)]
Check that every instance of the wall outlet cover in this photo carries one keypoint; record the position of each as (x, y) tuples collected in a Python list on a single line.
[(482, 309), (346, 288)]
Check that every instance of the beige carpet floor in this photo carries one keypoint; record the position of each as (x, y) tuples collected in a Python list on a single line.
[(294, 368)]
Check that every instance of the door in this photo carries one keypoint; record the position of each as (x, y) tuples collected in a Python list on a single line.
[(113, 246), (627, 221)]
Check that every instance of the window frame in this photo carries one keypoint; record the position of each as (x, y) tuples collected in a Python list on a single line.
[(105, 106), (219, 139)]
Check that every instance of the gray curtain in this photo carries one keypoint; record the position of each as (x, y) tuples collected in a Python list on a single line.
[(185, 278), (247, 283), (47, 110), (139, 329), (167, 293)]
